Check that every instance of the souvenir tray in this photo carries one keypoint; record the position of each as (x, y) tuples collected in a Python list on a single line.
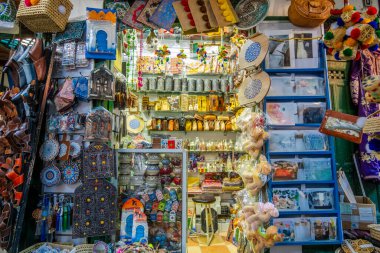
[(50, 175), (94, 209), (70, 172)]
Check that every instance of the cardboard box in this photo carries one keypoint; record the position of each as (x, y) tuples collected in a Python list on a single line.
[(358, 215)]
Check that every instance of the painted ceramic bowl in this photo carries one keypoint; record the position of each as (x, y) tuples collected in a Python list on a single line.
[(125, 158), (165, 161), (137, 180), (125, 168), (153, 159), (152, 181), (124, 180), (152, 170), (165, 170)]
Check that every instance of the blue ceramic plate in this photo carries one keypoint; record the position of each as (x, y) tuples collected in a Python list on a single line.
[(50, 175), (70, 172)]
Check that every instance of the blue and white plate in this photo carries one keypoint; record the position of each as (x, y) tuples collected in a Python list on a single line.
[(254, 88), (253, 51), (49, 150), (50, 175), (135, 124)]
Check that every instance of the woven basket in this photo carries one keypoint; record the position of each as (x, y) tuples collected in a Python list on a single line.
[(309, 13), (374, 230), (84, 248), (45, 17), (36, 246)]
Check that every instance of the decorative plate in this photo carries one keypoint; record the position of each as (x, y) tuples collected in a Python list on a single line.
[(135, 124), (253, 51), (251, 13), (75, 149), (70, 172), (50, 175), (49, 150), (254, 88)]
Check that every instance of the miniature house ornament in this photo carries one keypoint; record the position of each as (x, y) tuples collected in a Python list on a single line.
[(134, 226), (102, 84)]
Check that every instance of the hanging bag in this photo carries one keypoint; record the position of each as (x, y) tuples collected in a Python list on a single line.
[(8, 22), (47, 16), (309, 13)]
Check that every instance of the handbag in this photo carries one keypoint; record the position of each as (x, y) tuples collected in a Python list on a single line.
[(309, 13)]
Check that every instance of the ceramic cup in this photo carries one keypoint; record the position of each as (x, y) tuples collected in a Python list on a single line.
[(207, 85), (191, 84), (177, 84), (224, 85), (161, 84), (184, 84), (152, 83), (215, 85), (199, 85), (169, 83)]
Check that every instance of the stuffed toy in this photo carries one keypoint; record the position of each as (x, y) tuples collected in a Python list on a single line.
[(352, 32), (254, 179), (259, 214), (264, 238)]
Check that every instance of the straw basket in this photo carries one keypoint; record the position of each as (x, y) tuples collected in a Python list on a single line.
[(36, 246), (374, 230), (309, 13), (84, 248), (45, 17)]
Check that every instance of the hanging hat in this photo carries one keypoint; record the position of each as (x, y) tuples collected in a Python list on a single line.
[(254, 88), (250, 13), (253, 51), (135, 124)]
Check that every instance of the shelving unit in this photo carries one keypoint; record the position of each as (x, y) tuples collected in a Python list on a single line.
[(321, 71), (183, 154)]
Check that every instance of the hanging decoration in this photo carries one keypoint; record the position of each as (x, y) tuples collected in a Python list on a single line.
[(181, 56), (223, 55), (202, 54), (129, 38), (352, 32), (162, 54), (152, 41), (238, 39)]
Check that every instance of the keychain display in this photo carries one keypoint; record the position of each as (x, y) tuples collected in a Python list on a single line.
[(101, 34)]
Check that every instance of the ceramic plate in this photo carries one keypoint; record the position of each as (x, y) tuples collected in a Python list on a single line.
[(70, 172), (75, 149), (253, 51), (49, 150), (254, 88), (135, 124), (50, 175), (251, 13)]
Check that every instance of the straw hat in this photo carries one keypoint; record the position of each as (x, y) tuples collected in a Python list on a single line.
[(253, 51), (135, 124), (254, 88)]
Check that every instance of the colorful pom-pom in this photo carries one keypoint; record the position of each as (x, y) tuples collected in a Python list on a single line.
[(28, 3), (329, 36), (334, 26), (369, 41), (336, 12), (355, 33), (338, 45), (336, 56), (350, 42), (374, 47), (371, 10), (355, 17), (365, 21), (348, 8), (347, 52), (340, 22), (374, 24), (348, 30), (330, 50), (378, 33), (364, 47)]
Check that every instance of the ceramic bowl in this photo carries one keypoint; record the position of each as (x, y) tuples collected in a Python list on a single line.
[(153, 159), (125, 168), (125, 158), (137, 180), (152, 170), (165, 161), (124, 180)]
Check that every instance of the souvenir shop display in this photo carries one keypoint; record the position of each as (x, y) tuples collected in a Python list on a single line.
[(172, 126)]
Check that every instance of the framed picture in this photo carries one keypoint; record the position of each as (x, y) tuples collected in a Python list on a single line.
[(281, 50), (341, 125), (306, 49)]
